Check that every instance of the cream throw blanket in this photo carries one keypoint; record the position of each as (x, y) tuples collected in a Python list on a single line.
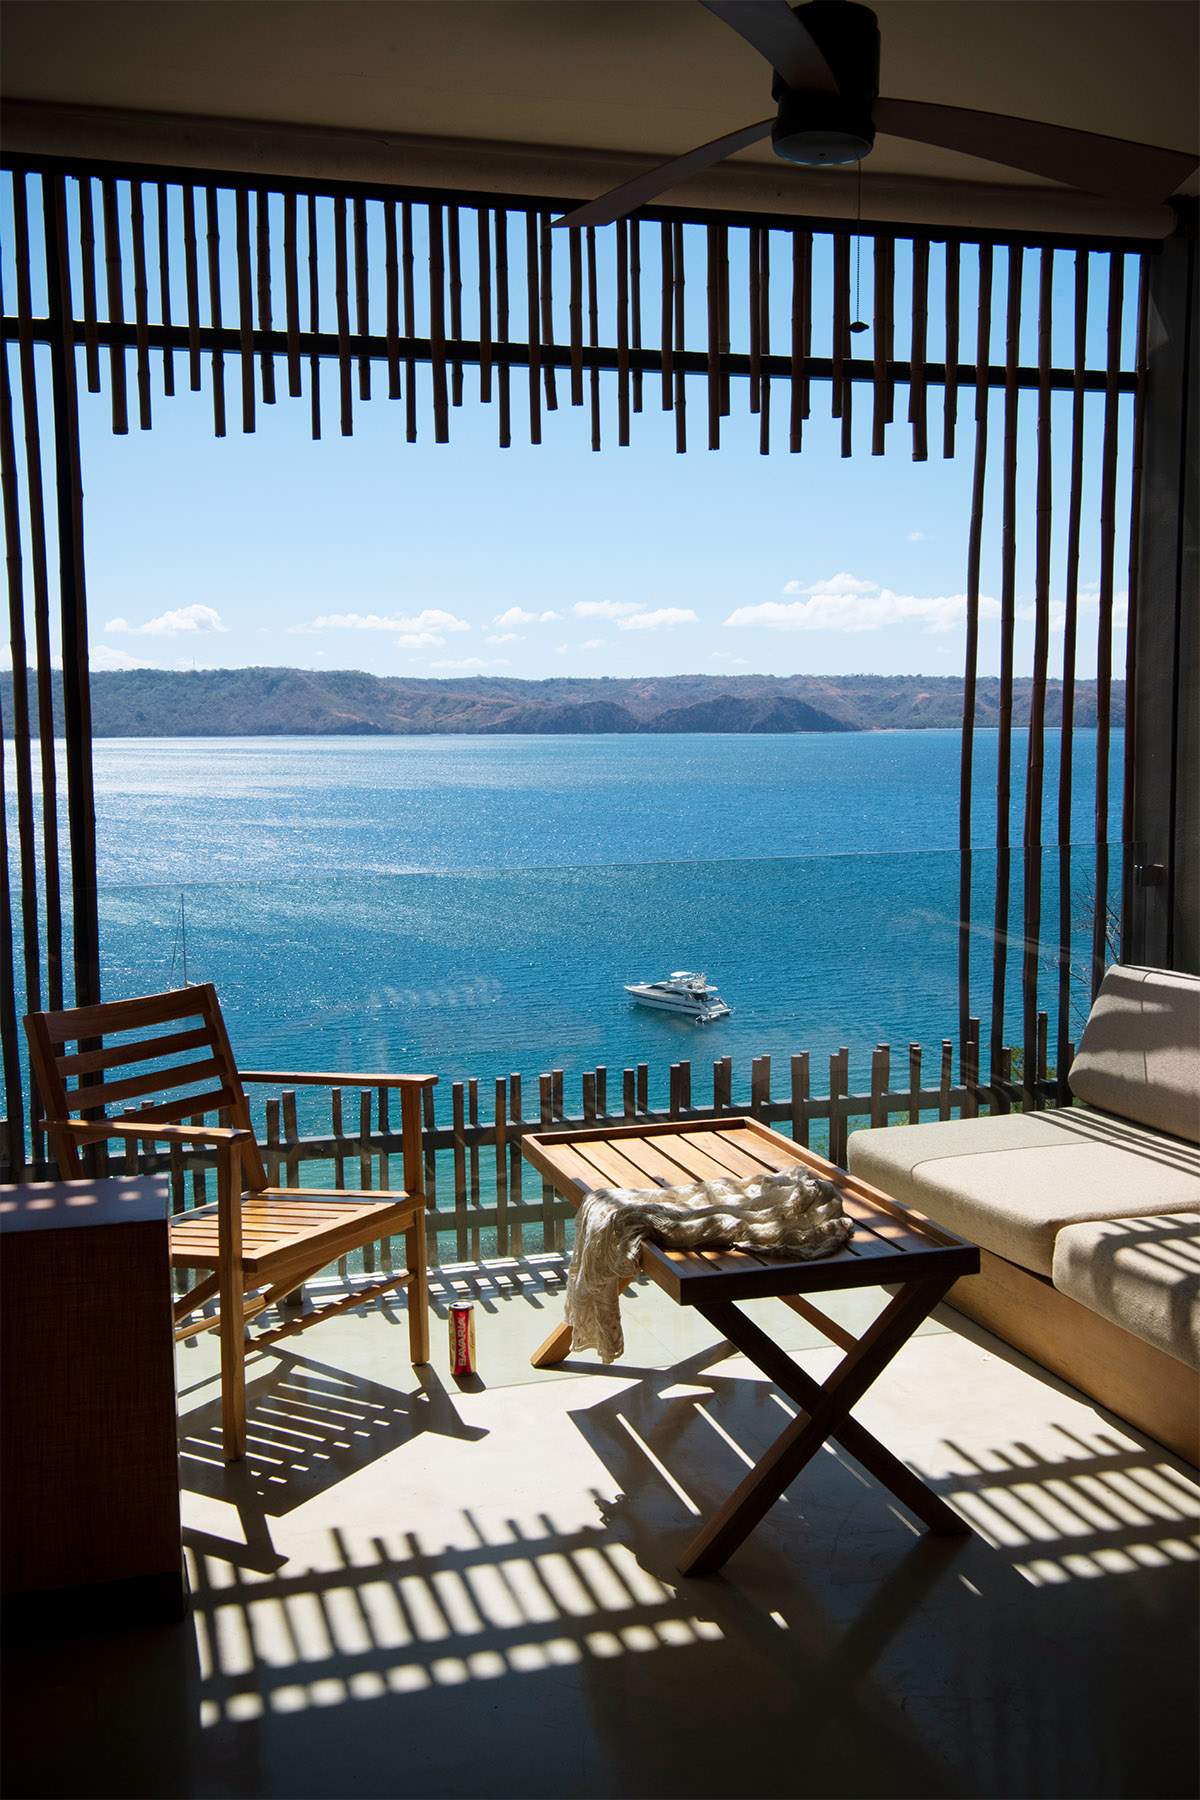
[(793, 1213)]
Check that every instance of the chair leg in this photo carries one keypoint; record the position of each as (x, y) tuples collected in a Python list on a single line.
[(418, 1290)]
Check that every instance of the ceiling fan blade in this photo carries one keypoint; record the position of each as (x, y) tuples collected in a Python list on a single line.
[(776, 33), (1098, 165), (632, 194)]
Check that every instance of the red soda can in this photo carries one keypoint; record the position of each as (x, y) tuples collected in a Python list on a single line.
[(462, 1337)]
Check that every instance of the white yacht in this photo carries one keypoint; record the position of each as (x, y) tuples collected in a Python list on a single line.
[(682, 992)]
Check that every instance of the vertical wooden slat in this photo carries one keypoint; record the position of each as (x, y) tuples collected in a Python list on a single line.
[(547, 301), (673, 1101), (881, 272), (881, 1058), (760, 1085), (839, 1088), (501, 1138), (484, 255), (1131, 631), (271, 1156), (381, 1101), (454, 252), (339, 1160), (643, 1087), (502, 337), (77, 715), (516, 1164), (473, 1158), (391, 267), (588, 1095), (1008, 601), (545, 1121), (917, 404), (668, 314), (364, 1167), (623, 395), (723, 1083), (841, 321), (410, 327), (950, 410), (971, 649), (314, 315), (714, 338), (291, 1139), (593, 333), (191, 274), (764, 338), (556, 1092), (141, 317), (945, 1080), (213, 244), (635, 306), (602, 1090), (677, 276), (800, 1078), (241, 201), (1108, 527), (87, 254), (629, 1094), (755, 319), (341, 288), (533, 327), (914, 1084), (801, 332), (116, 304), (291, 295), (437, 326), (39, 569), (575, 313), (164, 286), (22, 747), (970, 1106), (1035, 756), (14, 1099), (362, 296)]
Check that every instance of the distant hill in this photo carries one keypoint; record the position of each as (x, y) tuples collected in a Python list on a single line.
[(327, 703)]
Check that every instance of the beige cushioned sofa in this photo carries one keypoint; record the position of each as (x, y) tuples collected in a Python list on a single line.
[(1088, 1217)]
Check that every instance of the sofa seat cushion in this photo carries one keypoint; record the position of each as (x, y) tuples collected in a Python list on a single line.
[(1012, 1182), (1139, 1055), (1142, 1273)]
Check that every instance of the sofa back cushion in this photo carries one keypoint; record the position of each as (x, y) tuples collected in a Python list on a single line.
[(1139, 1055)]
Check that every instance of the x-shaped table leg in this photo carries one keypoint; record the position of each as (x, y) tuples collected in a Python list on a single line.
[(827, 1414)]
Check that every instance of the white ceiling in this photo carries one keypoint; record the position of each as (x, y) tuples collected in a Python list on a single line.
[(566, 96)]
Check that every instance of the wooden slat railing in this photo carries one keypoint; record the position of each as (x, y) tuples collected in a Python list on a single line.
[(483, 1199)]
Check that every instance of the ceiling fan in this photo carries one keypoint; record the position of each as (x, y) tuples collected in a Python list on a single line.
[(825, 57)]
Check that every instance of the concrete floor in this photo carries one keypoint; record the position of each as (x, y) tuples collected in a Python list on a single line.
[(418, 1587)]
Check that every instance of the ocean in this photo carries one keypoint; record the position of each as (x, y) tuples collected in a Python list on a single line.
[(472, 906)]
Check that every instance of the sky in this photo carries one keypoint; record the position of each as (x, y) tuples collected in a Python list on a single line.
[(464, 559)]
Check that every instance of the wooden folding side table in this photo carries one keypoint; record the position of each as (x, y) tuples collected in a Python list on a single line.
[(890, 1245)]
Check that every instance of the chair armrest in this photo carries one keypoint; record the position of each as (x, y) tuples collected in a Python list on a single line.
[(90, 1131), (305, 1078)]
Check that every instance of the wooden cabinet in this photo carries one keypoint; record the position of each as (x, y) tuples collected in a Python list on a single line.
[(89, 1468)]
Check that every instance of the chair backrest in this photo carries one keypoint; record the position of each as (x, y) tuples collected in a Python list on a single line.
[(1139, 1055), (170, 1053)]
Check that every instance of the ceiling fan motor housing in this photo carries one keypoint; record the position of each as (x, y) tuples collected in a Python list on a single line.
[(818, 128)]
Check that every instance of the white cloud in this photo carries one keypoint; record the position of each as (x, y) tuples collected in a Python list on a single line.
[(419, 640), (546, 617), (470, 662), (593, 643), (727, 656), (515, 615), (833, 584), (432, 619), (505, 637), (606, 609), (102, 657), (171, 624), (653, 621), (920, 537), (854, 610)]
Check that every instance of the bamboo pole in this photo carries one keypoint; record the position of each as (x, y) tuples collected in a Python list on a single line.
[(341, 289), (391, 276), (191, 272), (593, 333), (1135, 502), (840, 323), (87, 255), (14, 1100), (575, 313), (362, 296), (291, 295), (116, 304), (241, 202), (484, 257), (917, 402), (723, 319), (410, 307), (677, 272), (764, 334), (623, 393), (137, 232), (879, 388), (666, 352), (714, 340), (262, 223), (213, 245), (454, 254), (635, 306), (437, 326), (1008, 601), (1108, 525), (971, 654), (533, 326), (950, 391), (1035, 758), (547, 299), (502, 323), (314, 315), (755, 320)]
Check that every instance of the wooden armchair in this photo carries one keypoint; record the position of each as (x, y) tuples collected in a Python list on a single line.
[(257, 1244)]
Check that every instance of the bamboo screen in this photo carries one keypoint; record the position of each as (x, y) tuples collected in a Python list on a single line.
[(139, 285)]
